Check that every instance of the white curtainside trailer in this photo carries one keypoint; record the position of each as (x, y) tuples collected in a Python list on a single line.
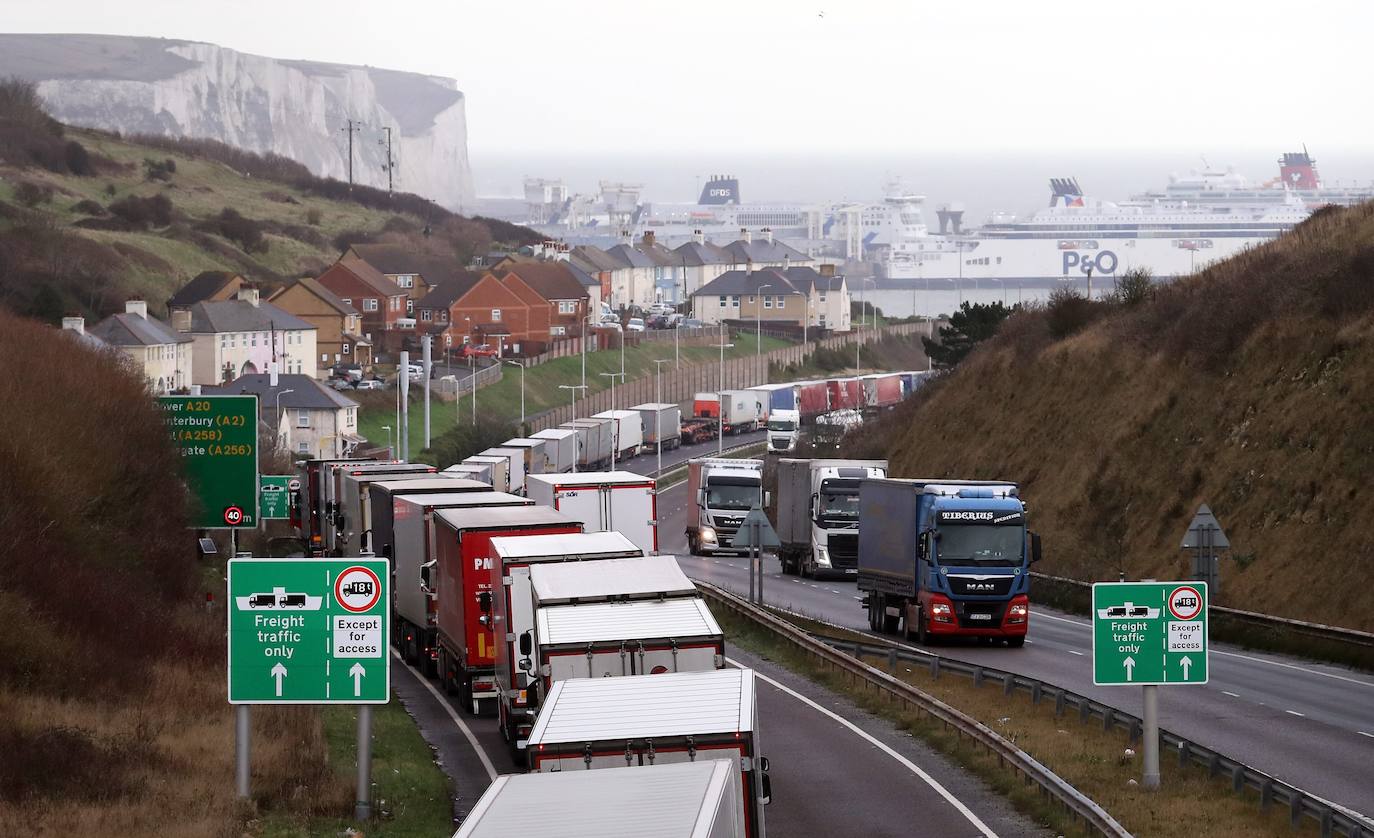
[(604, 501)]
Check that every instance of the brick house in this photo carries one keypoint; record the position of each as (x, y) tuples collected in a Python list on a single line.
[(381, 303), (557, 288), (475, 308), (207, 287), (412, 272), (339, 337)]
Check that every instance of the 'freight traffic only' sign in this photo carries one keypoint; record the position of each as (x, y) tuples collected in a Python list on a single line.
[(309, 631), (1149, 633)]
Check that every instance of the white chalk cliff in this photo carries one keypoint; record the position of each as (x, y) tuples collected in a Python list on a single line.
[(297, 109)]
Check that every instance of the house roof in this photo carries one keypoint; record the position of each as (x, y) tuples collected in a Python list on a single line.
[(450, 290), (306, 394), (746, 282), (628, 257), (807, 278), (329, 297), (241, 316), (761, 250), (586, 279), (661, 256), (204, 286), (390, 258), (595, 259), (126, 329), (370, 277), (550, 280), (697, 254)]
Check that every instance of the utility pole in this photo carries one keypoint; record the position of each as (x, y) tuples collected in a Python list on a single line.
[(616, 442), (658, 399), (521, 365), (352, 129), (720, 394), (390, 163), (426, 366), (572, 402)]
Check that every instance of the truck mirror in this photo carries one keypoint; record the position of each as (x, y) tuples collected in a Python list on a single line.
[(341, 523), (527, 666), (763, 763), (1035, 547), (526, 644), (386, 551), (767, 498), (426, 577), (484, 602), (766, 789)]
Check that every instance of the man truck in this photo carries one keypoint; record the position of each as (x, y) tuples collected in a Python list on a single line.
[(721, 492), (946, 558), (818, 514)]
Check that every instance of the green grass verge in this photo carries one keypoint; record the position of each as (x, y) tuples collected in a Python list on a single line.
[(500, 402), (411, 797)]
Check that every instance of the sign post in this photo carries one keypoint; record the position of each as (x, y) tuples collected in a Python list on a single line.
[(1150, 633), (274, 495), (756, 533), (1205, 537), (218, 439), (310, 631)]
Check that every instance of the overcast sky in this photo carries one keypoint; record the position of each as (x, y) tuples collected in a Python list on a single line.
[(769, 76)]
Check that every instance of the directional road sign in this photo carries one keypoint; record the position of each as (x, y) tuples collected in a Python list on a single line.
[(274, 495), (766, 536), (218, 438), (309, 631), (1205, 531), (1149, 633)]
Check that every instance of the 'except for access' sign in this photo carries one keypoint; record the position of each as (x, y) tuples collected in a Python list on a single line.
[(1149, 633), (309, 631), (274, 495), (218, 439)]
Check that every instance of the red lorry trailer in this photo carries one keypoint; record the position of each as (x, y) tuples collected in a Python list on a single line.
[(882, 389), (461, 576), (845, 393), (813, 398)]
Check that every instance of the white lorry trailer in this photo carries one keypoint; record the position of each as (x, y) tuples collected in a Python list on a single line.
[(346, 490), (500, 470), (515, 466), (628, 434), (604, 501), (605, 723), (660, 423), (721, 491), (594, 439), (481, 472), (378, 537), (536, 461), (513, 610), (741, 411), (560, 448), (686, 800), (818, 514)]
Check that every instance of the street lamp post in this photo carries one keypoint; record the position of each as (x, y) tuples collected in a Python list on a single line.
[(616, 446), (720, 393), (472, 382), (281, 393), (572, 402), (387, 428), (658, 399), (758, 322), (522, 392)]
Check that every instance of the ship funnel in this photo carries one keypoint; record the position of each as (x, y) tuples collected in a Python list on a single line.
[(951, 220)]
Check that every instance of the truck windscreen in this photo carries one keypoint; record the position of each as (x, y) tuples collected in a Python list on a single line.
[(781, 425), (839, 506), (973, 544), (732, 496)]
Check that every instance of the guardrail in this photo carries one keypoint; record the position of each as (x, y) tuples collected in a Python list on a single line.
[(1248, 628), (1078, 805), (1332, 818)]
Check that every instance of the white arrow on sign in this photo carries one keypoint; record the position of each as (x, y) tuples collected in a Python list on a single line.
[(279, 672), (357, 672), (1129, 663), (1187, 662)]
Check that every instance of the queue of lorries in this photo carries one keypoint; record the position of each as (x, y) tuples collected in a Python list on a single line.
[(544, 603)]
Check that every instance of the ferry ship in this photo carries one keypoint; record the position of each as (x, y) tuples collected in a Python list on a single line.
[(1298, 176)]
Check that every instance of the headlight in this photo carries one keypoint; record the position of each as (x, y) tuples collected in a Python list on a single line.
[(708, 534), (823, 557)]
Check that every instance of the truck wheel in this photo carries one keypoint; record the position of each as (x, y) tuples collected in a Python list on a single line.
[(922, 633), (875, 620), (1016, 642), (692, 545)]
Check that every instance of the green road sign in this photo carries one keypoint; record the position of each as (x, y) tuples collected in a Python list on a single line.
[(1149, 633), (274, 498), (309, 631), (218, 438)]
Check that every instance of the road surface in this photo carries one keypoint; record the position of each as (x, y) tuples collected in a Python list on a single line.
[(1309, 724)]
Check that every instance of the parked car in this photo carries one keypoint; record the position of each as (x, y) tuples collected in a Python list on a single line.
[(482, 350), (658, 321), (691, 324), (636, 324), (348, 372), (342, 383), (371, 384)]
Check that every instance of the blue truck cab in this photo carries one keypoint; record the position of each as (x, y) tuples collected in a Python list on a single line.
[(943, 558)]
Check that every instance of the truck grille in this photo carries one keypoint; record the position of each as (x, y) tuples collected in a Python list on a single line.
[(970, 585), (980, 614), (844, 549), (778, 443), (726, 529)]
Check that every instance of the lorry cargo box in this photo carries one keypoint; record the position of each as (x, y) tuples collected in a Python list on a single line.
[(602, 717), (381, 508), (686, 800), (536, 461), (596, 443), (765, 393), (352, 500), (813, 398), (742, 410), (481, 472), (604, 501), (660, 423), (784, 397), (515, 467), (308, 501), (627, 433), (706, 405), (560, 449), (643, 577), (644, 637), (500, 470)]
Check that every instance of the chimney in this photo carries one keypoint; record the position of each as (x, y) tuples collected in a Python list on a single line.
[(76, 323), (181, 319), (749, 266), (272, 374), (648, 238), (828, 271), (786, 261), (746, 235), (768, 234), (139, 307), (699, 237), (625, 237), (249, 295)]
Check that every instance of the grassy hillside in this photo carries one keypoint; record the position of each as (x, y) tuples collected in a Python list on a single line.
[(1249, 387), (127, 217)]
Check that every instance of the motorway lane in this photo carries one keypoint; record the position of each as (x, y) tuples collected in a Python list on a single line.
[(1307, 723)]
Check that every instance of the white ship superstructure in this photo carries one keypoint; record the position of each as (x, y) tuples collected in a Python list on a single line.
[(1297, 178)]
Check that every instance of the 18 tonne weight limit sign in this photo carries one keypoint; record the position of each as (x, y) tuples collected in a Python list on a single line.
[(309, 631), (1149, 633)]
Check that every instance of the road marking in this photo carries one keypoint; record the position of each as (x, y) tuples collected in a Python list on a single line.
[(1362, 733), (452, 714), (1295, 713), (1075, 652), (859, 598), (1228, 692), (1083, 625), (906, 763)]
